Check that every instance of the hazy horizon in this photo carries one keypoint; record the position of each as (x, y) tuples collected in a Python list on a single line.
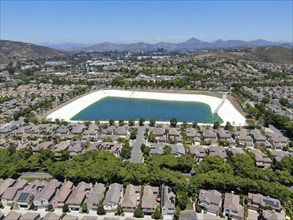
[(92, 22)]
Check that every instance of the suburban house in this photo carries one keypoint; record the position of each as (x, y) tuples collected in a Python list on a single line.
[(43, 198), (224, 134), (278, 141), (76, 148), (262, 160), (63, 194), (191, 132), (77, 129), (210, 135), (131, 196), (271, 215), (258, 138), (232, 206), (43, 146), (10, 193), (89, 217), (95, 196), (122, 131), (236, 150), (198, 152), (178, 149), (257, 201), (193, 136), (51, 216), (78, 196), (31, 216), (95, 146), (167, 201), (12, 215), (5, 184), (210, 200), (160, 134), (113, 197), (90, 133), (70, 217), (114, 148), (157, 148), (109, 130), (59, 148), (149, 199), (218, 151), (23, 197), (279, 155), (173, 134), (243, 138)]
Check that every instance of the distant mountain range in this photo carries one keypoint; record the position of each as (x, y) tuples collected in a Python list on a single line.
[(260, 50), (191, 44), (13, 51)]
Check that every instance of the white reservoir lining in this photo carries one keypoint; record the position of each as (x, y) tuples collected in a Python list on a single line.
[(227, 112)]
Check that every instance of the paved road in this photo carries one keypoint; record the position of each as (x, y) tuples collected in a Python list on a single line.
[(136, 154)]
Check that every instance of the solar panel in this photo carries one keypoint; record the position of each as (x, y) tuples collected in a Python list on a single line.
[(23, 197)]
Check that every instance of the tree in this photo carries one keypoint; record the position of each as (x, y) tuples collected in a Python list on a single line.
[(250, 123), (111, 122), (119, 210), (10, 68), (84, 208), (182, 199), (100, 209), (126, 151), (65, 208), (228, 126), (216, 125), (133, 135), (108, 139), (141, 121), (284, 102), (121, 122), (167, 149), (131, 122), (138, 213), (177, 213), (157, 213), (26, 120), (173, 122), (145, 150), (194, 124), (50, 208), (1, 205), (198, 208), (152, 122)]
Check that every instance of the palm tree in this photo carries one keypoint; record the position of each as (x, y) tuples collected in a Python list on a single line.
[(111, 122), (173, 122), (152, 122), (131, 122), (141, 121)]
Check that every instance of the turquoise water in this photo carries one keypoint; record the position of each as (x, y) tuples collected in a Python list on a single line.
[(117, 108)]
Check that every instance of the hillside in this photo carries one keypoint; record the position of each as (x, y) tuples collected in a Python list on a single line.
[(270, 54), (11, 51), (191, 44)]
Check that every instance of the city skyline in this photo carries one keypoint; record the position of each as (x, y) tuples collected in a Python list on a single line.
[(148, 21)]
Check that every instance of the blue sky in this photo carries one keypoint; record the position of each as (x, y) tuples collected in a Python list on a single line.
[(148, 21)]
